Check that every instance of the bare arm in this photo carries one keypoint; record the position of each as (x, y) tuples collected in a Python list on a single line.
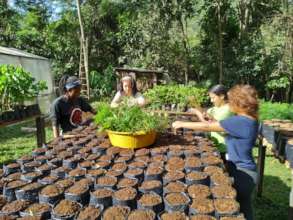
[(116, 100), (56, 132), (199, 126)]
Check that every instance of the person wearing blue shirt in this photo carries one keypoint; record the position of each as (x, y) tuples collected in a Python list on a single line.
[(241, 134)]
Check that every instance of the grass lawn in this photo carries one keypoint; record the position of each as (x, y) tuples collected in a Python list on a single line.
[(272, 206)]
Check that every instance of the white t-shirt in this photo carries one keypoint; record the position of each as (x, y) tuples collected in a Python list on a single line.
[(138, 99)]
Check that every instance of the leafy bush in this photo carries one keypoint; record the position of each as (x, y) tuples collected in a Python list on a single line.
[(102, 84), (127, 119), (177, 94), (269, 110), (17, 86)]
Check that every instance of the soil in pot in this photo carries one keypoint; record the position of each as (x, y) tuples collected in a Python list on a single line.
[(86, 164), (78, 193), (42, 159), (95, 173), (29, 192), (220, 179), (48, 180), (64, 154), (175, 153), (106, 158), (11, 187), (154, 172), (159, 150), (113, 151), (15, 207), (119, 167), (142, 215), (133, 172), (60, 172), (202, 217), (202, 206), (223, 192), (2, 201), (114, 173), (25, 159), (92, 157), (66, 208), (151, 201), (151, 185), (116, 212), (226, 207), (45, 169), (106, 181), (211, 161), (198, 191), (159, 158), (125, 194), (175, 187), (174, 216), (32, 176), (145, 159), (142, 152), (211, 170), (13, 176), (38, 210), (123, 159), (39, 151), (126, 153), (64, 184), (102, 196), (193, 163), (173, 176), (174, 199), (51, 194), (174, 164), (71, 162), (127, 182), (90, 213), (137, 164), (102, 165), (77, 173), (196, 178), (11, 168)]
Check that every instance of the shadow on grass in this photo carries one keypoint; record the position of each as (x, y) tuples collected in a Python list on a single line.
[(274, 203)]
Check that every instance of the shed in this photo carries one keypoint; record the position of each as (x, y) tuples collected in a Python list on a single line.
[(38, 66), (145, 78)]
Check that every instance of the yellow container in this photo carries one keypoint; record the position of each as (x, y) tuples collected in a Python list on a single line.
[(132, 140)]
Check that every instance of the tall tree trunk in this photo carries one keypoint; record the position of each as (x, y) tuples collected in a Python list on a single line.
[(186, 48), (84, 46), (220, 42)]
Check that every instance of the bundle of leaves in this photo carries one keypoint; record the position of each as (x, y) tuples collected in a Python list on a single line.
[(128, 119)]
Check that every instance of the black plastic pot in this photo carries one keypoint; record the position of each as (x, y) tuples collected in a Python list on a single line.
[(82, 198), (204, 181), (61, 173), (28, 195), (55, 216), (180, 207), (92, 217), (42, 215), (95, 176), (30, 167), (25, 159), (158, 176), (70, 163), (9, 170), (45, 169), (105, 201), (193, 211), (111, 186), (9, 192), (31, 178), (156, 208), (134, 185), (52, 200), (130, 203), (139, 176), (56, 162), (166, 191), (158, 190)]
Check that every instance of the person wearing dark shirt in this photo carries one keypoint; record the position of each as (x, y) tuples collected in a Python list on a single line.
[(67, 110), (241, 134)]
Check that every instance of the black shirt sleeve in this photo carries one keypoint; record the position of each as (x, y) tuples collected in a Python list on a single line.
[(85, 106), (55, 113)]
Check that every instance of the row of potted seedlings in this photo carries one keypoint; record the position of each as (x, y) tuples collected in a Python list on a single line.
[(87, 178)]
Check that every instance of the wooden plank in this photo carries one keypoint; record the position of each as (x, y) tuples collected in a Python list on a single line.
[(260, 168)]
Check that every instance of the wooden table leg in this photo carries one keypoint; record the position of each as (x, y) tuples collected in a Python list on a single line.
[(260, 169), (41, 134)]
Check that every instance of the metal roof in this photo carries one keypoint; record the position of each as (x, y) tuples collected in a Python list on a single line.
[(19, 53)]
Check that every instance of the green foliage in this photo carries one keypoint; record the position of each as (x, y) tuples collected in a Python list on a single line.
[(17, 86), (102, 84), (176, 94), (269, 110), (127, 119)]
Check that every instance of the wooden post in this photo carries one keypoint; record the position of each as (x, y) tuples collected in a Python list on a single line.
[(260, 167), (41, 134)]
